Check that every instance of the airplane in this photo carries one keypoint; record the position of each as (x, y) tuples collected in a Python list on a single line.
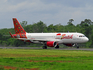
[(48, 39)]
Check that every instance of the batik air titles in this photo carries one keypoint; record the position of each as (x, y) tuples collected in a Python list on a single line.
[(48, 39)]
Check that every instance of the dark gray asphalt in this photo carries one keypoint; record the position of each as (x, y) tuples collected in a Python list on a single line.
[(85, 49)]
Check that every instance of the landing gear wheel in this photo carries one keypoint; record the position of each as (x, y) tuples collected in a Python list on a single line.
[(57, 47), (44, 47), (77, 47)]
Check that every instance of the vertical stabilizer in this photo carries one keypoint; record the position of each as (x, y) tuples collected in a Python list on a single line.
[(18, 28)]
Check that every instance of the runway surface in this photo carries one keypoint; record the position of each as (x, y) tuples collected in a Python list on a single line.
[(85, 49)]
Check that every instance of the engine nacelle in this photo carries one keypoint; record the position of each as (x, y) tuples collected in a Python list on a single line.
[(70, 45), (51, 44)]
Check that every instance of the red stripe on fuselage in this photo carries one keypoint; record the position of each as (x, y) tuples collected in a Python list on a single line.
[(58, 34)]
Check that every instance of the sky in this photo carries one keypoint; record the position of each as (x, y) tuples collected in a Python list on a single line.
[(48, 11)]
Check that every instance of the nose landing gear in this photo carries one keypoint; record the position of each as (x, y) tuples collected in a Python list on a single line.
[(77, 46)]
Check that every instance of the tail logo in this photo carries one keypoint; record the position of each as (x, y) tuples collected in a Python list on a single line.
[(16, 23), (13, 19), (19, 31), (18, 27)]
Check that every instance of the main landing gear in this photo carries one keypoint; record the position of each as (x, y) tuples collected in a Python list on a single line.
[(44, 47), (57, 47)]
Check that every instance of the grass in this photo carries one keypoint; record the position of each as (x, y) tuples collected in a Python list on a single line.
[(17, 59)]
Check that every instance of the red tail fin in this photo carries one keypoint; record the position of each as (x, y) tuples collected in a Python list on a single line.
[(18, 28)]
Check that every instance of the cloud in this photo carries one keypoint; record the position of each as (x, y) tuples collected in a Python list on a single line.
[(48, 11)]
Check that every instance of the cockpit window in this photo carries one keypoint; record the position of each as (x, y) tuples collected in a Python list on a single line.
[(81, 36)]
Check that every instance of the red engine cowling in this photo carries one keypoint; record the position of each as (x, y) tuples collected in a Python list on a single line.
[(51, 44), (70, 45)]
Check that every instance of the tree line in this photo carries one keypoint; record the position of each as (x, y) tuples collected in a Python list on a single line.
[(85, 27)]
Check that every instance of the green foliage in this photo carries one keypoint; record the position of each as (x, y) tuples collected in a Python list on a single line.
[(70, 22), (85, 27), (23, 23), (25, 59)]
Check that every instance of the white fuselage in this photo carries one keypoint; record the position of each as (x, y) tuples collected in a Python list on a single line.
[(47, 39), (58, 37)]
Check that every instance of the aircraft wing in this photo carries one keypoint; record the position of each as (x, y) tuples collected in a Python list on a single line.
[(41, 40)]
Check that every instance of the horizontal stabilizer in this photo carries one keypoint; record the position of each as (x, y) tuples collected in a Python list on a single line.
[(11, 34)]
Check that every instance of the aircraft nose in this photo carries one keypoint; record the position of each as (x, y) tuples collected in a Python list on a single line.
[(86, 40)]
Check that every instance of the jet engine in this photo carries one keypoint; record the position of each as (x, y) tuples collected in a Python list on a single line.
[(51, 44)]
